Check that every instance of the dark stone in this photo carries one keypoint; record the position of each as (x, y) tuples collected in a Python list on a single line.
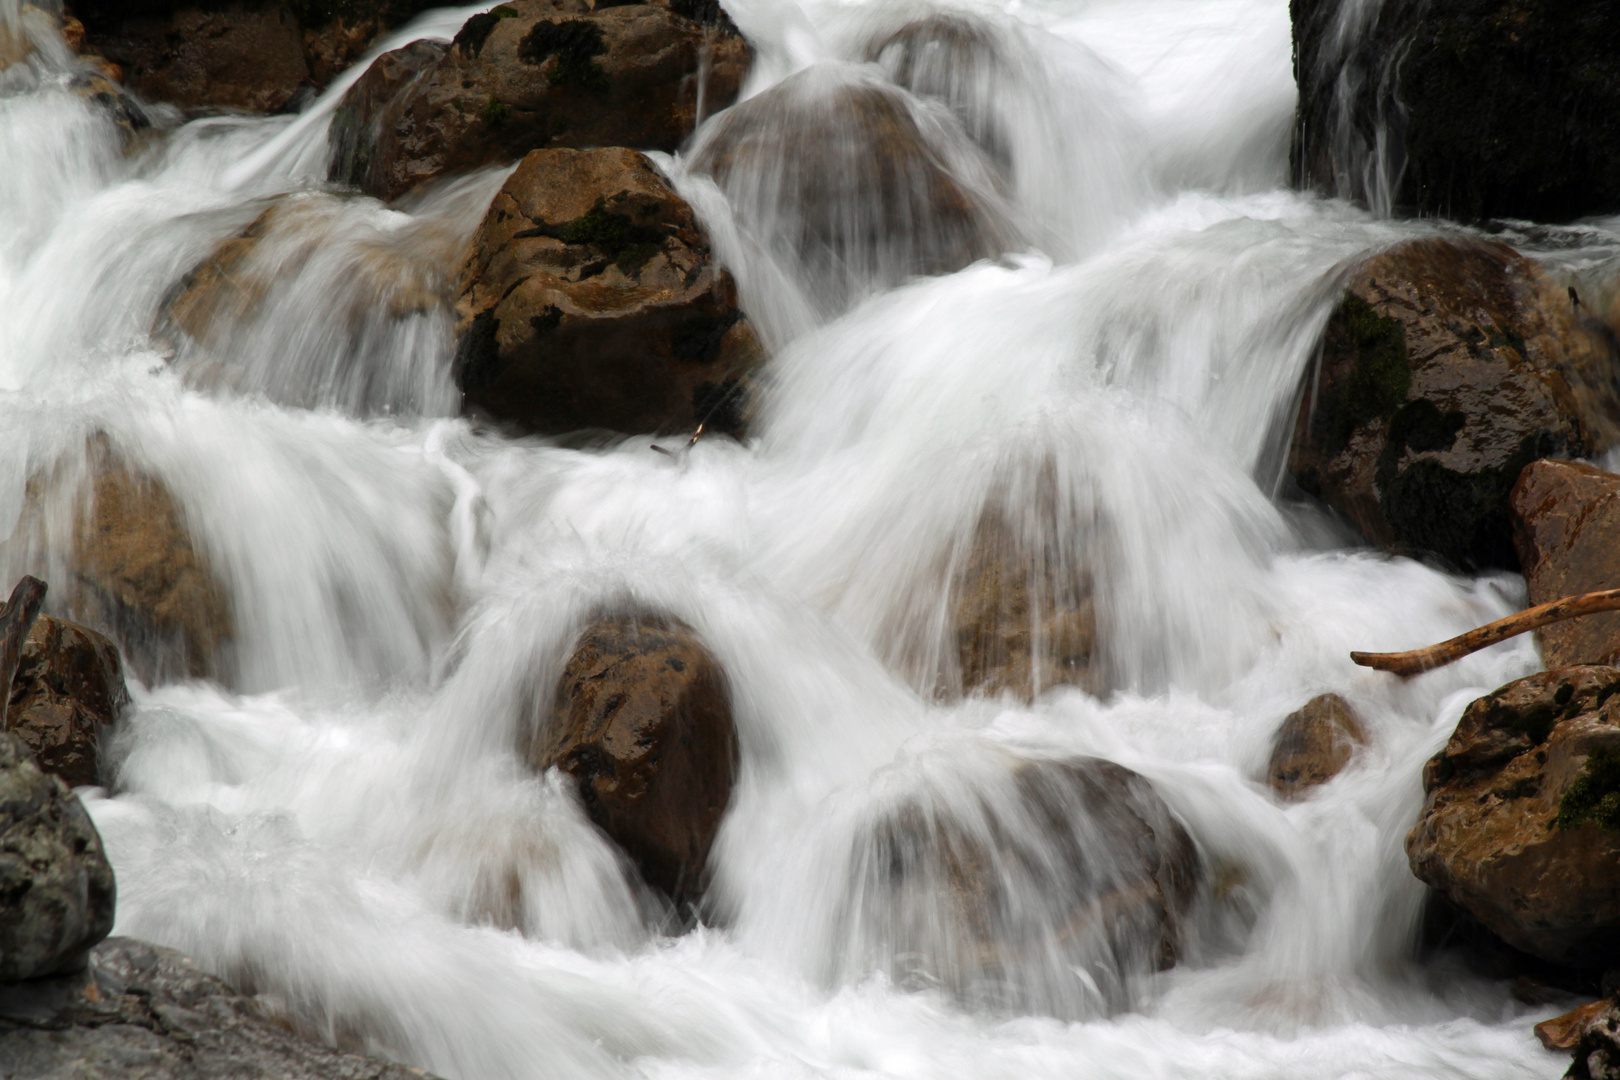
[(1566, 528), (642, 721), (67, 694), (56, 888)]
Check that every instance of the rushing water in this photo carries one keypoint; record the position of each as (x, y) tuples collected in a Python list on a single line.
[(339, 821)]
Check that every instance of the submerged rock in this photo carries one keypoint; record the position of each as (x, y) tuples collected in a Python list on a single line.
[(1566, 528), (1314, 745), (1470, 99), (851, 187), (642, 721), (56, 888), (592, 300), (67, 694), (1051, 895), (529, 75), (1449, 366), (1521, 825), (147, 1013)]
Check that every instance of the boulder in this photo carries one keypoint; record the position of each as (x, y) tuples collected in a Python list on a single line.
[(1566, 529), (1597, 1053), (852, 186), (124, 111), (1050, 893), (529, 75), (1448, 366), (1565, 1031), (67, 693), (145, 1012), (56, 888), (1465, 103), (1025, 620), (642, 721), (1313, 746), (1521, 824), (591, 300), (141, 579)]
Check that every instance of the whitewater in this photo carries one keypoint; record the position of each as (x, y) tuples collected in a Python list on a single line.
[(340, 822)]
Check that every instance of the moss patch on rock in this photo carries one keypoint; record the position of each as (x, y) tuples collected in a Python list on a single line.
[(1595, 794), (575, 43)]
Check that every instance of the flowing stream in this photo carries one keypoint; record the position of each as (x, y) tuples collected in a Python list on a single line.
[(339, 822)]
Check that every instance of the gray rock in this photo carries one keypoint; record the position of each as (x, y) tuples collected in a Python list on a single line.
[(56, 889), (147, 1013)]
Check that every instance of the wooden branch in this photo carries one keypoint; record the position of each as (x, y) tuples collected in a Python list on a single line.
[(16, 619), (1407, 664)]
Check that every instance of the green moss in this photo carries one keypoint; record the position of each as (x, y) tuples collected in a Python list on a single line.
[(475, 31), (494, 113), (1378, 379), (623, 241), (1595, 794), (575, 43)]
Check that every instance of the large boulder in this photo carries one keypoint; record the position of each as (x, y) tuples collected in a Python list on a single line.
[(1521, 824), (852, 185), (67, 694), (591, 300), (528, 75), (1052, 891), (56, 888), (1313, 746), (1448, 366), (146, 1012), (1464, 104), (1566, 527), (642, 722)]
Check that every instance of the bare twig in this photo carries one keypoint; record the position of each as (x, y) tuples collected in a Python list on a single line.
[(16, 619), (1407, 664)]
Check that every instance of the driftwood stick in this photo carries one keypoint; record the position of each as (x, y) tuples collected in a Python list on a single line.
[(1407, 664), (16, 619)]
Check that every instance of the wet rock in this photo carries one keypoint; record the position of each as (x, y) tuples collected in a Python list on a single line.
[(1472, 99), (1597, 1054), (1025, 620), (852, 187), (642, 720), (1075, 866), (124, 111), (954, 59), (141, 578), (592, 300), (67, 694), (1448, 366), (1314, 745), (148, 1013), (56, 889), (1521, 825), (528, 75), (1563, 1032), (236, 56), (1566, 528)]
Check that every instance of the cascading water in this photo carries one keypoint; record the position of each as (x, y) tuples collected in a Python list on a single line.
[(336, 818)]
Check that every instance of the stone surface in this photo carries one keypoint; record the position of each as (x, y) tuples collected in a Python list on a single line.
[(123, 110), (67, 693), (529, 75), (1521, 824), (592, 300), (853, 187), (1474, 97), (1597, 1054), (1449, 365), (56, 888), (1563, 1032), (1566, 528), (1314, 745), (148, 1013), (642, 720), (1075, 865)]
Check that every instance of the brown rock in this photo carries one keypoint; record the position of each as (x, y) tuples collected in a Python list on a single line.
[(527, 75), (1025, 620), (642, 720), (845, 184), (1563, 1032), (1077, 866), (101, 89), (591, 300), (1566, 528), (1597, 1053), (1313, 745), (66, 696), (1521, 826), (234, 57), (1448, 367)]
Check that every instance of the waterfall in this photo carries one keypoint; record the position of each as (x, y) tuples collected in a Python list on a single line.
[(1096, 361)]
